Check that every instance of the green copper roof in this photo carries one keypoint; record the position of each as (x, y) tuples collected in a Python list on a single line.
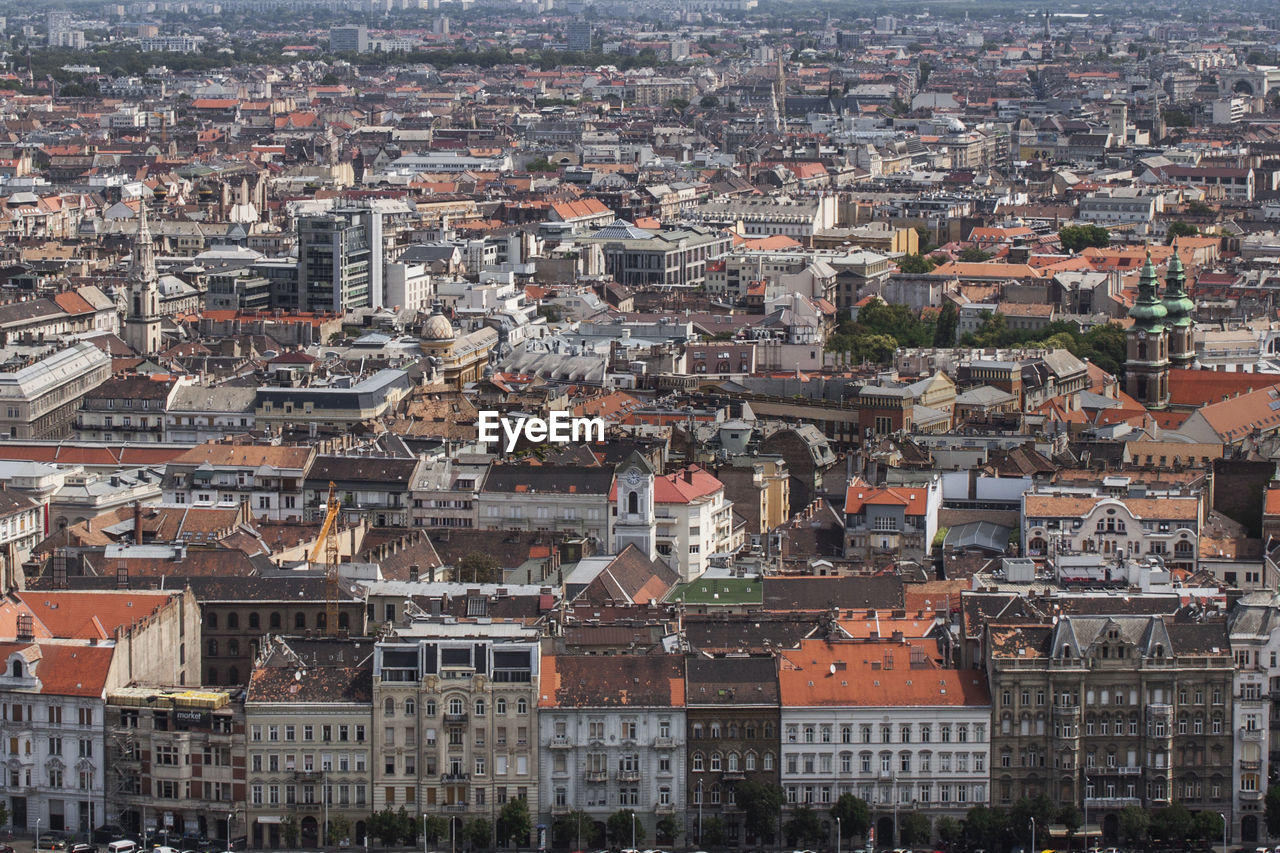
[(1148, 312), (1177, 303)]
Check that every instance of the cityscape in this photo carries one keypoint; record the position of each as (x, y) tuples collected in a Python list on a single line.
[(592, 425)]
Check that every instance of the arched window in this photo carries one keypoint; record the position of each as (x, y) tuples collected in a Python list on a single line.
[(233, 620), (481, 708), (455, 705), (321, 620), (522, 706), (254, 622), (697, 762), (233, 676), (274, 620), (633, 503), (299, 620), (233, 647), (731, 762), (500, 705), (212, 648), (749, 762), (211, 620), (389, 707), (430, 708), (17, 669), (410, 707), (766, 763), (344, 620), (715, 762), (213, 675)]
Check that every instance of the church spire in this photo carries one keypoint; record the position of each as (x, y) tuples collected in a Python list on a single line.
[(143, 267), (1179, 308)]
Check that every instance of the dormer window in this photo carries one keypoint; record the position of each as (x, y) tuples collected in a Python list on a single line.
[(17, 670)]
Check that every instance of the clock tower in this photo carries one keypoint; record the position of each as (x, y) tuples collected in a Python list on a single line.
[(634, 522), (1147, 360)]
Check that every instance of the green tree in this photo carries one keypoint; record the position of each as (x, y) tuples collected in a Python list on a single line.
[(1105, 346), (804, 827), (435, 827), (477, 833), (1172, 823), (709, 102), (667, 829), (620, 826), (1196, 207), (1078, 237), (944, 330), (1207, 825), (289, 829), (913, 829), (479, 567), (541, 164), (876, 349), (514, 823), (712, 832), (985, 827), (974, 255), (854, 814), (1179, 228), (950, 832), (1177, 118), (915, 264), (926, 240), (1271, 810), (1134, 823), (1071, 819), (677, 104), (1040, 808), (575, 830), (339, 829), (760, 804)]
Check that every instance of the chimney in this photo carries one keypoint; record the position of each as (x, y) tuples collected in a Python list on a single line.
[(137, 522), (688, 474)]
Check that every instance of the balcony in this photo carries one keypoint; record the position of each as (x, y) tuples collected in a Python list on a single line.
[(307, 775), (455, 807), (1066, 712), (456, 719), (664, 743), (1111, 802), (561, 808), (1251, 765), (628, 775), (1252, 735), (665, 808), (454, 777), (308, 807), (1253, 795), (734, 775), (1159, 710), (596, 775), (560, 742), (1129, 771)]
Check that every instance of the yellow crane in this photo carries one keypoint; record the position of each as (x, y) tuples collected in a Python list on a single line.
[(328, 540)]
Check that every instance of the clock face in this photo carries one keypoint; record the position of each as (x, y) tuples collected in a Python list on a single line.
[(633, 477)]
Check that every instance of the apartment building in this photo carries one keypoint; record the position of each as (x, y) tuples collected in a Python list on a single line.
[(269, 477), (455, 725), (1106, 712), (611, 730), (176, 759), (308, 714), (882, 720)]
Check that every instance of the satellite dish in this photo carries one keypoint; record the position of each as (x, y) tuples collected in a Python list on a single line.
[(833, 669), (297, 675)]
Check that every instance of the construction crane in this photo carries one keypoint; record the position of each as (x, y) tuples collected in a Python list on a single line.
[(328, 540)]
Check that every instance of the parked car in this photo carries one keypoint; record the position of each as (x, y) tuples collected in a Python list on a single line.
[(51, 841), (83, 848)]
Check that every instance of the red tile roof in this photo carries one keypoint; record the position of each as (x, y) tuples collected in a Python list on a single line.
[(855, 674), (860, 494)]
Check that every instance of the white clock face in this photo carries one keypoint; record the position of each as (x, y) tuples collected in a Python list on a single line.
[(633, 477)]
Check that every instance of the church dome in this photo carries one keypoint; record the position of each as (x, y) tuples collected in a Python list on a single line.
[(437, 328)]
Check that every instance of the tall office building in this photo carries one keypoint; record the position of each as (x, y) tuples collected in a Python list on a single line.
[(349, 39), (579, 36), (334, 263)]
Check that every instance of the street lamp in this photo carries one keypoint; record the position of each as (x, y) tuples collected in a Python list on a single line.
[(633, 830), (1220, 814), (424, 833), (38, 833), (837, 835), (1033, 835), (699, 813)]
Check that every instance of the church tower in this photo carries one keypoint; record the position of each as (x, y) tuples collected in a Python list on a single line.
[(635, 522), (1147, 361), (1178, 307), (142, 325)]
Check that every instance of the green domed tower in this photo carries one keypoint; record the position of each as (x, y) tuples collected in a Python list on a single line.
[(1178, 307), (1147, 362)]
